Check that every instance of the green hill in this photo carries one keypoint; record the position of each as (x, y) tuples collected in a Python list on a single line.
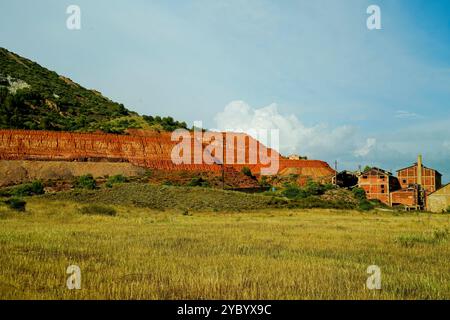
[(33, 97)]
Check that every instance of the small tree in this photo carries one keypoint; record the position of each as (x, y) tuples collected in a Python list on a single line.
[(198, 182), (247, 172), (359, 194), (86, 182), (314, 189), (292, 191), (263, 182), (116, 179), (366, 205), (29, 189)]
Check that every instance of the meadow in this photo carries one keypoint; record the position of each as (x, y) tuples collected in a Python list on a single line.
[(143, 253)]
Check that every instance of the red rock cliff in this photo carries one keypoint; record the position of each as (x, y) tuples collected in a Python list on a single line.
[(147, 149)]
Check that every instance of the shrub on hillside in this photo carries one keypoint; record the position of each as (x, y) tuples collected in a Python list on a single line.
[(198, 182), (292, 191), (313, 188), (95, 209), (28, 189), (263, 182), (16, 204), (359, 194), (116, 179), (85, 182), (311, 202), (365, 205), (246, 171)]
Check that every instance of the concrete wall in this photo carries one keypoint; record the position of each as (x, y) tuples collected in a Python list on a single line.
[(440, 200)]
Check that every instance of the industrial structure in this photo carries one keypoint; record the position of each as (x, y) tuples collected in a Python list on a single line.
[(412, 188), (429, 179), (378, 184)]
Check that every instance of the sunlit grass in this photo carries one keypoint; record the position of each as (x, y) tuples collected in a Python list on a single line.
[(268, 254)]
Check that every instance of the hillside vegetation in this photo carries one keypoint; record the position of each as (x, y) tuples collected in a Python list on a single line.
[(33, 97), (162, 197)]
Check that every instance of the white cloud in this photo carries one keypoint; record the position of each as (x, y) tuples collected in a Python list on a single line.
[(319, 141), (367, 148), (350, 146), (403, 114)]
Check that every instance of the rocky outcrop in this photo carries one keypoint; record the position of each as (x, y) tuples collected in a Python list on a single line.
[(150, 149), (145, 151)]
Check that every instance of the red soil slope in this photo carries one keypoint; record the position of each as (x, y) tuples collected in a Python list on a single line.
[(148, 149)]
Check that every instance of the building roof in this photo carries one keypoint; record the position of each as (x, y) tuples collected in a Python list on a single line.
[(415, 164), (378, 170)]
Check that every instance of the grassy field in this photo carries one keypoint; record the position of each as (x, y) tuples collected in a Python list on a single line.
[(142, 253)]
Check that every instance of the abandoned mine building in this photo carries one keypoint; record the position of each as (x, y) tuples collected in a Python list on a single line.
[(347, 179), (378, 184), (418, 182), (429, 179), (411, 188)]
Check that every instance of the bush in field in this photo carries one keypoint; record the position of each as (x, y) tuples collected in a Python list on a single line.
[(246, 171), (16, 204), (29, 189), (448, 210), (359, 194), (95, 209), (85, 182), (313, 188), (263, 182), (198, 182), (116, 179), (292, 191), (365, 205)]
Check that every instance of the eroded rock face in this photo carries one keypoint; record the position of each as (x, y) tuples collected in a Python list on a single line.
[(149, 149), (150, 152)]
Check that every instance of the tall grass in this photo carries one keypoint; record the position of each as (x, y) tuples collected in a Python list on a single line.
[(266, 254)]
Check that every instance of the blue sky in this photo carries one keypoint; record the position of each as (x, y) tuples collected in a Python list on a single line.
[(310, 68)]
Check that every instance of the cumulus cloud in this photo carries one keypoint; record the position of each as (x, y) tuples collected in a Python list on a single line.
[(367, 148), (319, 141)]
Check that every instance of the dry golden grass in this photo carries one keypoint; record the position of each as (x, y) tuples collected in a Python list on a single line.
[(269, 254)]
